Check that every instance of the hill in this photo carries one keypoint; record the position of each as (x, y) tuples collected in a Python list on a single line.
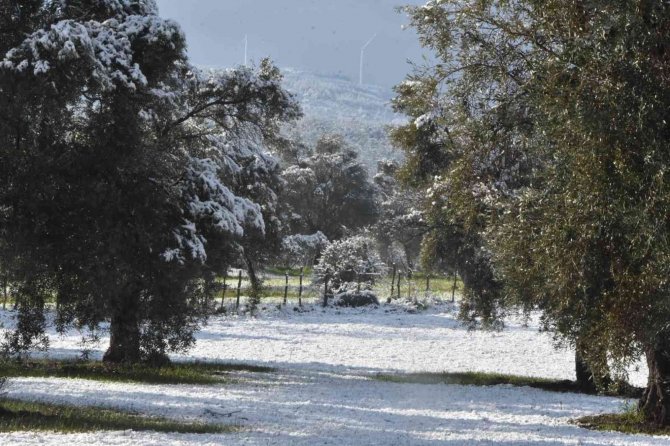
[(334, 104)]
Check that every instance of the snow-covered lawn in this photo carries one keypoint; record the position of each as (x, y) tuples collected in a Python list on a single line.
[(322, 392)]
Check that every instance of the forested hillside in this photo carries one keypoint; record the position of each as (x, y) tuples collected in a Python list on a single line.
[(333, 104)]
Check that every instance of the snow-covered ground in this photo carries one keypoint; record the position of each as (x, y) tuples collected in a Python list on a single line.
[(323, 393)]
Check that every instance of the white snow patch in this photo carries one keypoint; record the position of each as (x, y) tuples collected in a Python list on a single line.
[(323, 393)]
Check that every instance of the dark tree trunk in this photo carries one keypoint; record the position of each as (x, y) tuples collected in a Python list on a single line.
[(124, 342), (3, 411), (251, 271), (585, 380), (408, 258), (255, 293), (592, 370), (655, 402), (5, 294)]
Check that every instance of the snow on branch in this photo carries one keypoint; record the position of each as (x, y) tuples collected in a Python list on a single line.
[(211, 205), (105, 49)]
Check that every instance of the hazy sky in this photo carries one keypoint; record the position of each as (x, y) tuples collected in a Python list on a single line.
[(324, 36)]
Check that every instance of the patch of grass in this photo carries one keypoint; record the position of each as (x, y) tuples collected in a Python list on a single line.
[(293, 272), (27, 416), (177, 373), (278, 293), (269, 290), (630, 422), (496, 379), (273, 286), (439, 285), (479, 379)]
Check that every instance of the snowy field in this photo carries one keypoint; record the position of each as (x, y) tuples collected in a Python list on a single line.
[(323, 392)]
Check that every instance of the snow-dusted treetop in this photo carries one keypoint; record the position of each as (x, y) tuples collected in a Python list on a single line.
[(109, 50), (220, 122)]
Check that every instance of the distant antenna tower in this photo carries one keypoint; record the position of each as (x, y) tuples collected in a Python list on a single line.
[(360, 78), (246, 50)]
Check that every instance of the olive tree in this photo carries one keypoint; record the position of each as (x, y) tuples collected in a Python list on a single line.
[(548, 122), (127, 176)]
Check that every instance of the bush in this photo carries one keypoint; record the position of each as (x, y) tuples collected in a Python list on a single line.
[(355, 299), (301, 250), (353, 260)]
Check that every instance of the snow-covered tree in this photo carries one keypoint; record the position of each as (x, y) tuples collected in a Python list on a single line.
[(127, 175), (353, 260), (401, 224), (301, 250), (329, 191)]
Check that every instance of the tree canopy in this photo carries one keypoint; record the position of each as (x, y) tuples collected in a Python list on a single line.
[(125, 173), (542, 133), (329, 191)]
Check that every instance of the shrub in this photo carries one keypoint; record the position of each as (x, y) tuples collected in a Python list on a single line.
[(353, 260), (355, 299)]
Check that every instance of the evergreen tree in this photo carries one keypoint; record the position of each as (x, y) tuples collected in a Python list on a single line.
[(127, 175), (329, 191), (553, 118), (401, 225)]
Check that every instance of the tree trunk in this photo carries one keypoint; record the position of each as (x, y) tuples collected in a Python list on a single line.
[(592, 371), (255, 293), (453, 289), (5, 294), (584, 374), (655, 402), (408, 258), (124, 342)]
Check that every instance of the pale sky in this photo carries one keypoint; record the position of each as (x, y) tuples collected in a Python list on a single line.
[(322, 36)]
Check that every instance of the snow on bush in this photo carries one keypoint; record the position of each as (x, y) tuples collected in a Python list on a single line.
[(348, 261), (301, 250), (355, 299)]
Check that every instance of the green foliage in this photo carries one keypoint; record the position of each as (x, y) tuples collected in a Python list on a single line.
[(466, 144), (328, 191), (128, 178), (542, 132), (25, 416), (178, 373)]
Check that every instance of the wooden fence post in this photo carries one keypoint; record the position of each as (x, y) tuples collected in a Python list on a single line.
[(453, 290), (398, 286), (223, 291), (239, 289), (286, 290), (427, 283), (302, 272), (325, 291), (393, 280)]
